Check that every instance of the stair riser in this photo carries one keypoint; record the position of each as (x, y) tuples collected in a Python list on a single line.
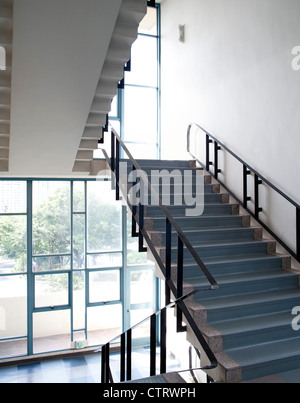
[(259, 336), (258, 266), (181, 210), (246, 234), (246, 287), (241, 311), (225, 251), (270, 368), (156, 164), (201, 223)]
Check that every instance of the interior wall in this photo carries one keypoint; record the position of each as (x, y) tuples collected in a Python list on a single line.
[(234, 76)]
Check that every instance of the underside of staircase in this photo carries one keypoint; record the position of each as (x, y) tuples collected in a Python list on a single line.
[(6, 30), (119, 53), (247, 322)]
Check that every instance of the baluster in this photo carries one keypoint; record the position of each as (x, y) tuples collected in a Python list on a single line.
[(298, 232), (258, 209)]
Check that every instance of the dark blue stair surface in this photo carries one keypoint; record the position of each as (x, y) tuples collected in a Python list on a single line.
[(252, 309)]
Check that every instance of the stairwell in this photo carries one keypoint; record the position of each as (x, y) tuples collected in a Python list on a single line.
[(6, 32), (247, 322)]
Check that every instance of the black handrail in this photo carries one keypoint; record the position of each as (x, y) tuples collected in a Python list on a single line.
[(116, 143), (125, 342), (258, 180)]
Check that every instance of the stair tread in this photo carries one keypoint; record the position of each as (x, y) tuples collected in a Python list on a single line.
[(243, 277), (250, 298), (266, 352), (251, 323)]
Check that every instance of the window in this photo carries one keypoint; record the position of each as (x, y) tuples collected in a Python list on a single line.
[(69, 268), (135, 112)]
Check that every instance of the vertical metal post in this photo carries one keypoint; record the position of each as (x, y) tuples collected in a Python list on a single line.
[(141, 227), (107, 370), (207, 152), (163, 341), (168, 258), (257, 182), (129, 357), (123, 358), (298, 232), (217, 149), (180, 327), (112, 160), (103, 364), (117, 170), (246, 172), (134, 232), (153, 345)]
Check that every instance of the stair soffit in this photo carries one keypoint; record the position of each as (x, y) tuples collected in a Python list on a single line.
[(6, 32), (125, 33)]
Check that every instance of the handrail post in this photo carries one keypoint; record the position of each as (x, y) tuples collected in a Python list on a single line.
[(117, 170), (112, 145), (246, 172), (208, 161), (298, 232), (258, 209), (217, 170), (180, 327), (163, 341), (123, 357), (153, 345), (168, 258), (141, 227), (129, 355)]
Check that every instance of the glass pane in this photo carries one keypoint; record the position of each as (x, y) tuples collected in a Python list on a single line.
[(78, 241), (51, 263), (104, 323), (104, 260), (143, 151), (140, 115), (78, 197), (51, 331), (134, 257), (149, 23), (51, 290), (104, 218), (12, 197), (141, 286), (114, 108), (79, 300), (144, 66), (13, 306), (13, 244), (104, 286), (51, 218)]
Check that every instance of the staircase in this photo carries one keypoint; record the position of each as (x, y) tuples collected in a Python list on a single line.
[(6, 22), (247, 322), (118, 54)]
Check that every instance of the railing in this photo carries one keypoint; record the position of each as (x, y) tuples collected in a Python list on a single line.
[(258, 181), (161, 354), (172, 286)]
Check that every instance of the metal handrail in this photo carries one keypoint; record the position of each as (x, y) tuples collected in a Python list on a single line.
[(125, 340), (259, 180), (169, 217)]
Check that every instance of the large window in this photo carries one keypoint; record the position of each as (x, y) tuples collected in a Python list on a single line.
[(69, 269), (136, 110)]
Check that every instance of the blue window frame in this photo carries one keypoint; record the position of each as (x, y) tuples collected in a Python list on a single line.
[(68, 267)]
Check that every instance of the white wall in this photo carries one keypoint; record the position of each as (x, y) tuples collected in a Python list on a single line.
[(233, 75)]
